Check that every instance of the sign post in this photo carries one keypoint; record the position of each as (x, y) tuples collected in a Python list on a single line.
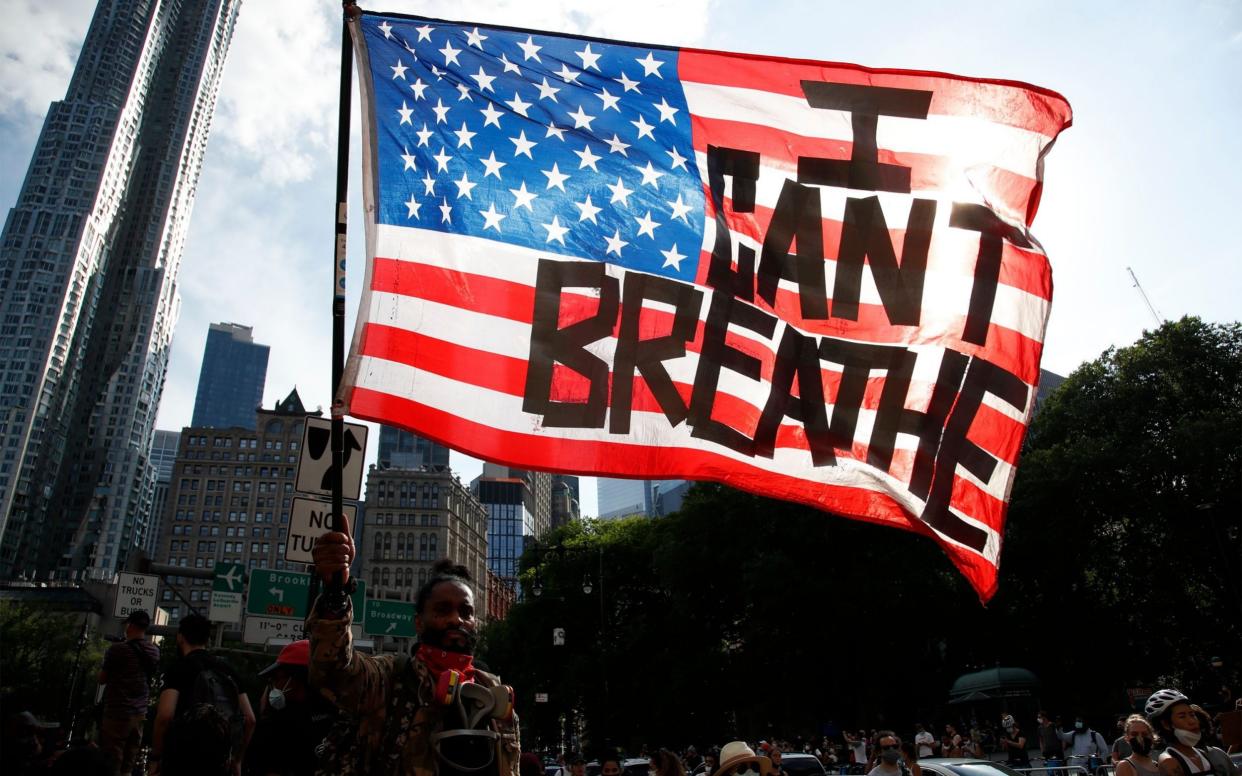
[(226, 592), (134, 592)]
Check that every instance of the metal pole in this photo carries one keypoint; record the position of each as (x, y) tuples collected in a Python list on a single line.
[(338, 275)]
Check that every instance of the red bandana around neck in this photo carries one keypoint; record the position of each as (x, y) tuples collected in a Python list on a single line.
[(441, 660)]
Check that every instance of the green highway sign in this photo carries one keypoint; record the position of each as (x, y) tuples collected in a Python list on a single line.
[(389, 618), (226, 592), (284, 593)]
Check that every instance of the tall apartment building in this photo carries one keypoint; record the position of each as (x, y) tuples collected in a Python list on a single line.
[(230, 497), (414, 518), (231, 379), (401, 449), (89, 259)]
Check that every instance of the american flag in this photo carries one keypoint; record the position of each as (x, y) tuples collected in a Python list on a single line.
[(548, 212)]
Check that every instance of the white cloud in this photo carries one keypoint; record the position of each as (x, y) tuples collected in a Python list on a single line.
[(39, 42), (277, 105), (277, 109)]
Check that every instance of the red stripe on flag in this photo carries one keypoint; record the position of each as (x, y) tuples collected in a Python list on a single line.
[(1010, 103), (610, 459)]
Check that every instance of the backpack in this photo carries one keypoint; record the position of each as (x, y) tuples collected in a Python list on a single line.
[(208, 728)]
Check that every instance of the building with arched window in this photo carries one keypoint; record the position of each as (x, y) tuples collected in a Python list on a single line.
[(414, 517)]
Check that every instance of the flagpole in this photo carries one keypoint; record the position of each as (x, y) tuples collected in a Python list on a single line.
[(350, 10)]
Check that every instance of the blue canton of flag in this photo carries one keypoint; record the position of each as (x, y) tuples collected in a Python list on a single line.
[(566, 145)]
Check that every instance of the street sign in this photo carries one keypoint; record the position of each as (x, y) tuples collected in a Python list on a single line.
[(558, 637), (541, 697), (258, 630), (283, 594), (226, 592), (134, 592), (308, 520), (315, 459), (389, 618)]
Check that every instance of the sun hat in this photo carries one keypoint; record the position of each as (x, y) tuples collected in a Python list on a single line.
[(737, 753)]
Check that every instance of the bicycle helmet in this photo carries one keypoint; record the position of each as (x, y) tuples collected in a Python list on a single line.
[(1161, 701)]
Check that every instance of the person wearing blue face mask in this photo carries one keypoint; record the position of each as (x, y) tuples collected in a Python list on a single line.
[(294, 718)]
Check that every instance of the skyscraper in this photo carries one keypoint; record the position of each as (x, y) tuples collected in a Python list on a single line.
[(88, 268), (231, 379), (400, 449), (653, 498)]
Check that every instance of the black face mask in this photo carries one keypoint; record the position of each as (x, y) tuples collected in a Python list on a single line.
[(1141, 745), (436, 637)]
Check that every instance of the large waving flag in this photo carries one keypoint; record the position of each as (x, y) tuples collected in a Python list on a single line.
[(808, 280)]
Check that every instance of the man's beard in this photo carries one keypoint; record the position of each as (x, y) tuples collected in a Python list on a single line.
[(436, 637)]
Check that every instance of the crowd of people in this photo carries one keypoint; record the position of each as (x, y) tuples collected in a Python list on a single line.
[(330, 709)]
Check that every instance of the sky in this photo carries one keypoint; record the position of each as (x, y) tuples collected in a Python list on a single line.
[(1146, 178)]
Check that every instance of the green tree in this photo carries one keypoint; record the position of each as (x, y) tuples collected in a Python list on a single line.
[(1124, 522), (38, 655)]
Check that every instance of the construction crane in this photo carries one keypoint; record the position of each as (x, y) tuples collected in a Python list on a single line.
[(1154, 315)]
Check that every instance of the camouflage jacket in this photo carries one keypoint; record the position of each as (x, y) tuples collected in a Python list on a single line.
[(372, 688)]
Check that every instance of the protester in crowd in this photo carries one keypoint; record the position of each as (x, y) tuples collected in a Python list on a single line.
[(711, 760), (1170, 715), (1085, 745), (610, 764), (1014, 743), (1211, 744), (575, 765), (295, 718), (738, 759), (666, 763), (951, 743), (24, 750), (924, 741), (127, 671), (1051, 747), (692, 760), (364, 685), (972, 743), (888, 758), (203, 722), (858, 749), (775, 754), (1140, 740), (1121, 745)]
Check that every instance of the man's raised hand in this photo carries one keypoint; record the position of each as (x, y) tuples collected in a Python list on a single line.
[(334, 552)]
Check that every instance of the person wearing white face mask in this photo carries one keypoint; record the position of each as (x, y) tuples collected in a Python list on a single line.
[(293, 720), (1170, 714)]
